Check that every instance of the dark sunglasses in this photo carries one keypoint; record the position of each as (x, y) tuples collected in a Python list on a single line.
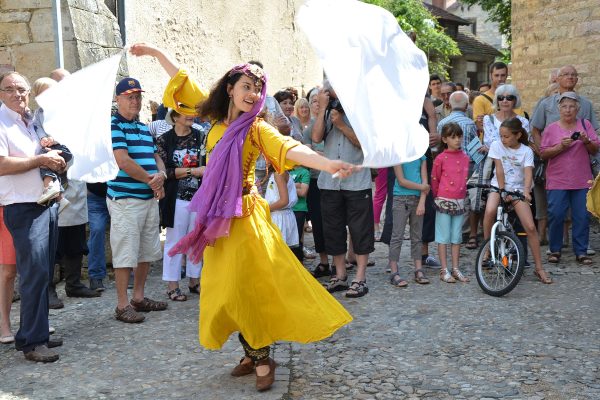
[(510, 97)]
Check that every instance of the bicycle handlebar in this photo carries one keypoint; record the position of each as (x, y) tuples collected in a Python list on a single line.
[(516, 194)]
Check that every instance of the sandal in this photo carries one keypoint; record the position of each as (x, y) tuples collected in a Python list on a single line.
[(397, 281), (321, 270), (456, 274), (420, 277), (195, 288), (542, 276), (337, 285), (554, 258), (148, 305), (584, 260), (129, 315), (446, 277), (357, 289), (472, 243), (176, 295)]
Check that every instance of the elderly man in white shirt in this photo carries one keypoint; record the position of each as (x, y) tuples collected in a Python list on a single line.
[(32, 226)]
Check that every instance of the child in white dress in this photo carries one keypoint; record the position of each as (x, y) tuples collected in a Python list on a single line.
[(281, 196)]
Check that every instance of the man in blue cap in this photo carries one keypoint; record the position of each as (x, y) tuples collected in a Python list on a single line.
[(132, 200)]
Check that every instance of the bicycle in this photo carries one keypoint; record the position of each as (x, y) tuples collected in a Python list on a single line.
[(500, 261)]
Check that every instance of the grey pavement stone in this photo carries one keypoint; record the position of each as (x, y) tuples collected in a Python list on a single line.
[(438, 341)]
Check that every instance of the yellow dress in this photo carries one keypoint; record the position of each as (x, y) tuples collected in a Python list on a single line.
[(251, 281)]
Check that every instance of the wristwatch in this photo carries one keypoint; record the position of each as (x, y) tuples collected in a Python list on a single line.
[(188, 172)]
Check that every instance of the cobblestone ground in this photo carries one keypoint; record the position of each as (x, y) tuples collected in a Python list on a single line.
[(440, 341)]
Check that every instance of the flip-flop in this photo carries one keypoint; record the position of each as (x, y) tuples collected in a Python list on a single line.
[(7, 339)]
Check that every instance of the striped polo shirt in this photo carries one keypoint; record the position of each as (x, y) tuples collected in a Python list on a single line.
[(134, 137)]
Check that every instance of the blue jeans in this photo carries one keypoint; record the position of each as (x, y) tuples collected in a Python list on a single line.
[(34, 229), (559, 201), (98, 217)]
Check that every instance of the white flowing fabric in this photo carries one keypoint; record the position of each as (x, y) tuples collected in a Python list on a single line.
[(377, 72), (77, 114)]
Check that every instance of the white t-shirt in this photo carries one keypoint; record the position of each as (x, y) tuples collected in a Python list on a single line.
[(18, 140), (514, 162)]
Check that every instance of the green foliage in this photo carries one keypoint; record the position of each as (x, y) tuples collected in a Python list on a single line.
[(499, 11), (413, 16)]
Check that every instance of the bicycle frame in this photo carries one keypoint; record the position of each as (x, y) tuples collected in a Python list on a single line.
[(499, 223)]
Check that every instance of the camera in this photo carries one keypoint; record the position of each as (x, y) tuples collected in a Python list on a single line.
[(334, 104), (575, 135)]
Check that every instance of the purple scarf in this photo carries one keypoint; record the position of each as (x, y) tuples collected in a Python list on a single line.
[(219, 198)]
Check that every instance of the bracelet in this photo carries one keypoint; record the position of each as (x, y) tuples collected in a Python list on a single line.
[(188, 172), (164, 174)]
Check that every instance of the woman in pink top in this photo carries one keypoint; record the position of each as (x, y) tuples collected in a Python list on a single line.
[(567, 145), (449, 188)]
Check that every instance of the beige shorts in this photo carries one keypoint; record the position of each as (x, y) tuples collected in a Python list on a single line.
[(134, 231)]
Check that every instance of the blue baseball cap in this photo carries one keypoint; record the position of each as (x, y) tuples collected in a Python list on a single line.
[(128, 85)]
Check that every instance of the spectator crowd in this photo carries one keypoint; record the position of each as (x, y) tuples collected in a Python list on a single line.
[(49, 223)]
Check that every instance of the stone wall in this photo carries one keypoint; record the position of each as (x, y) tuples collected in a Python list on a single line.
[(548, 34), (27, 35), (209, 37), (206, 36), (485, 31)]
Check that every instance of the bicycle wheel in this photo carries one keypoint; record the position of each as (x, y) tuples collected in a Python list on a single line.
[(499, 278)]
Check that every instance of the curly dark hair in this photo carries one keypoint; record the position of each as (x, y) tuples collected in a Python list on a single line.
[(216, 106)]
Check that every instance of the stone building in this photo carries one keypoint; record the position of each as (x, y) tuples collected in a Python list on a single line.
[(206, 36), (549, 34), (471, 67)]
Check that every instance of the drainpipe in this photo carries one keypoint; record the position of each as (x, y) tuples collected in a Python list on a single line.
[(58, 41), (121, 19)]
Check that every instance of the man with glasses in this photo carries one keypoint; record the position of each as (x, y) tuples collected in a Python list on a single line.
[(32, 226), (546, 112), (444, 109), (132, 200), (484, 103)]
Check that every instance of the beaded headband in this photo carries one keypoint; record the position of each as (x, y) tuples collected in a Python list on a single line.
[(250, 70)]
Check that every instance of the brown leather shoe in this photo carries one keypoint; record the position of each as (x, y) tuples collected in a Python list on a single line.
[(265, 382), (243, 368), (41, 354), (129, 315)]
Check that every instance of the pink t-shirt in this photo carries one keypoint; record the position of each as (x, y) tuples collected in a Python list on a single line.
[(449, 174), (570, 170)]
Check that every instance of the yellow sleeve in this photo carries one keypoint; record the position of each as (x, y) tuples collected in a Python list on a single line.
[(183, 94), (479, 107), (274, 145)]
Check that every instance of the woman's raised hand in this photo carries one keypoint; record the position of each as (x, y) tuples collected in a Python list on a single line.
[(144, 49)]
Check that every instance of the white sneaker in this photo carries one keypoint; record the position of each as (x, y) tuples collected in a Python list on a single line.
[(62, 204), (51, 192), (590, 251)]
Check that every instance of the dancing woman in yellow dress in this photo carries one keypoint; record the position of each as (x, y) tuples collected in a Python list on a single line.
[(251, 282)]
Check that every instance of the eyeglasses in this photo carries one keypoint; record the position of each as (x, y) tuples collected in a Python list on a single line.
[(570, 74), (12, 91), (510, 97), (133, 97)]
